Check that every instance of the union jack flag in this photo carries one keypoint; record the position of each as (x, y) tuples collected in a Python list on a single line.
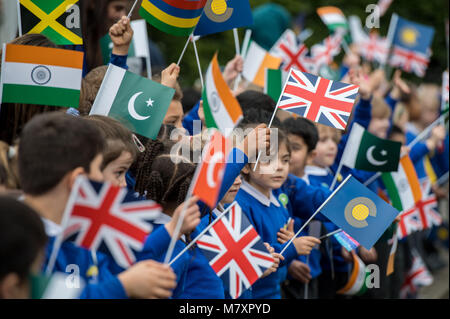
[(417, 276), (319, 100), (375, 48), (324, 53), (410, 61), (110, 219), (235, 251), (420, 217)]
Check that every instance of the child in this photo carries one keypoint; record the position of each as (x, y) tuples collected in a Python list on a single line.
[(268, 216), (54, 149), (22, 247)]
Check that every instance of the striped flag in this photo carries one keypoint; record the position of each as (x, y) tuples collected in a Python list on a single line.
[(346, 241), (39, 75), (176, 17), (356, 284), (273, 85), (333, 18), (403, 186), (222, 110), (256, 62)]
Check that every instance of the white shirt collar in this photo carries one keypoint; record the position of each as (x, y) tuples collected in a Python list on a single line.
[(259, 196), (51, 229), (316, 170)]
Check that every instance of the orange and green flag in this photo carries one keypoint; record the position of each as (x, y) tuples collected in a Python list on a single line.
[(59, 20), (176, 17)]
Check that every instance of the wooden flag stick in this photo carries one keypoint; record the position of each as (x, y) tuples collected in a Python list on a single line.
[(184, 50), (202, 233), (198, 62), (132, 9), (315, 213)]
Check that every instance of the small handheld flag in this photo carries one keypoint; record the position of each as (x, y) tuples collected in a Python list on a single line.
[(256, 62), (235, 251), (346, 240), (317, 99), (175, 17), (39, 75), (356, 285), (223, 15), (59, 20), (138, 103), (359, 212), (333, 18), (370, 153), (323, 53), (417, 276), (108, 218)]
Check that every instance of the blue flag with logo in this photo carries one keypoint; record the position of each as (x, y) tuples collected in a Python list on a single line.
[(223, 15), (359, 212)]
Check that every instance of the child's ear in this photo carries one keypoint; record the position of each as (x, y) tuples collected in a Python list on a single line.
[(246, 169), (9, 286), (72, 176), (311, 156)]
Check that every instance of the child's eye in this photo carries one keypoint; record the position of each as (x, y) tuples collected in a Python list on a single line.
[(119, 173)]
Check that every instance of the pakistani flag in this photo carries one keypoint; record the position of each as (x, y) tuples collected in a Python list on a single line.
[(370, 153), (138, 103)]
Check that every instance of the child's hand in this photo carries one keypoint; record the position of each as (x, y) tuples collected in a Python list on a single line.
[(257, 140), (368, 256), (191, 218), (169, 75), (121, 35), (400, 86), (285, 234), (233, 69), (148, 279), (357, 78), (348, 257), (305, 244), (276, 263), (300, 271), (437, 136)]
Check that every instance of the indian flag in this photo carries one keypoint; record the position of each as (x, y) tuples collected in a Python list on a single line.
[(403, 186), (356, 285), (256, 62), (39, 75), (333, 18), (222, 110)]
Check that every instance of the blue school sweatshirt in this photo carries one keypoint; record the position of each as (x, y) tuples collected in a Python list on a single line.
[(267, 216), (105, 285)]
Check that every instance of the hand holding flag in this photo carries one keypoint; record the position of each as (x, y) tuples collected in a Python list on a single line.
[(121, 35)]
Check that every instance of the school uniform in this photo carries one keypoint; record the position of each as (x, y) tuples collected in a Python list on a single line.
[(267, 215)]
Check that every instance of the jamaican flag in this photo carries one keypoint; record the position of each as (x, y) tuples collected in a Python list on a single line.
[(59, 20)]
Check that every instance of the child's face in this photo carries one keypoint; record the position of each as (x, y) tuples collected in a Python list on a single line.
[(379, 127), (299, 154), (174, 115), (272, 174), (326, 148), (231, 194), (115, 171)]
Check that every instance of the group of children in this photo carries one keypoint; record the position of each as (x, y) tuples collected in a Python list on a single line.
[(46, 149)]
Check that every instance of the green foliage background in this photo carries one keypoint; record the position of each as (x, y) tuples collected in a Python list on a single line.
[(430, 12)]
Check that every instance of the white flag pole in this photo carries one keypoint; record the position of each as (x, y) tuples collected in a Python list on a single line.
[(236, 40), (315, 213), (331, 234), (244, 48), (19, 18), (390, 37), (338, 172), (203, 232), (132, 9), (184, 50), (198, 62)]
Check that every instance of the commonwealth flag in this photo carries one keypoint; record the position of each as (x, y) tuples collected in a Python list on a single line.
[(176, 17), (138, 103), (39, 75), (223, 15), (59, 20), (370, 153), (359, 212)]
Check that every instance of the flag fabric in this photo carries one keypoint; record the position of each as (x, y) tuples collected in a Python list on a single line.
[(393, 241), (219, 16), (384, 5), (274, 83), (323, 53), (139, 46), (418, 276), (346, 241), (356, 285), (356, 29), (359, 212), (235, 251), (256, 62), (221, 108), (403, 186), (59, 20), (146, 101), (445, 93), (209, 174), (411, 46), (333, 18), (375, 48), (175, 17), (317, 99), (370, 153), (40, 75), (423, 215), (287, 39), (108, 218)]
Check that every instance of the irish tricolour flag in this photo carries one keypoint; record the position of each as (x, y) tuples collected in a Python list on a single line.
[(138, 103), (403, 186), (39, 75), (333, 18), (222, 110)]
